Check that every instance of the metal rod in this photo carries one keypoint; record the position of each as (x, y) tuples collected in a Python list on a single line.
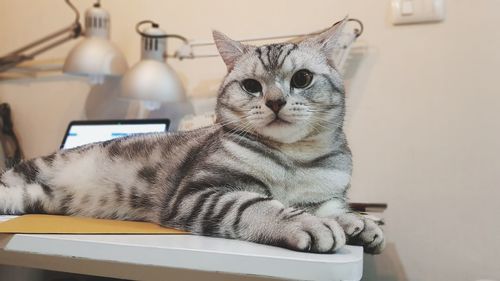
[(9, 62), (75, 10), (13, 58), (42, 40), (357, 31), (345, 46), (193, 57), (254, 39), (156, 25), (50, 46)]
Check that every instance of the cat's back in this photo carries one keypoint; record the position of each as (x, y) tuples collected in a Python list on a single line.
[(159, 147), (146, 157)]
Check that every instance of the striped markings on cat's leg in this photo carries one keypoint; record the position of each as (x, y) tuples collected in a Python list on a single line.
[(362, 231), (253, 217)]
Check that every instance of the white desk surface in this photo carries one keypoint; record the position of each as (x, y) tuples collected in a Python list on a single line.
[(178, 252)]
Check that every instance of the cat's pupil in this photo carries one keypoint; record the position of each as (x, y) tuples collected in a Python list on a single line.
[(301, 78), (251, 85)]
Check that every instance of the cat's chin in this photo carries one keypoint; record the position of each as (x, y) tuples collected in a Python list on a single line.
[(283, 131)]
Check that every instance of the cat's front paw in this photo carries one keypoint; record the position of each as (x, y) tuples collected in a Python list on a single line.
[(309, 233), (362, 232)]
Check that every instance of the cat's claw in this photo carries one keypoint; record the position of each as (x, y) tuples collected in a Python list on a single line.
[(308, 233), (363, 232)]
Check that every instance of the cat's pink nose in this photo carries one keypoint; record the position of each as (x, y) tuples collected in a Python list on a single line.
[(276, 105)]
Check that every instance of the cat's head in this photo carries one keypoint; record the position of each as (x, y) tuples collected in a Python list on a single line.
[(285, 92)]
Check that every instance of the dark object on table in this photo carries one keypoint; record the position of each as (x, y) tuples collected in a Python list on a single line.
[(10, 151), (368, 207)]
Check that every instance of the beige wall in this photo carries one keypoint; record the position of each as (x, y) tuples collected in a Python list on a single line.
[(423, 116)]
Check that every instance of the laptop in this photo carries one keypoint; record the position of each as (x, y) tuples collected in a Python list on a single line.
[(84, 132)]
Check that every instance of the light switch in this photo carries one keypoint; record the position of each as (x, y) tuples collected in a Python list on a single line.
[(406, 8), (417, 11)]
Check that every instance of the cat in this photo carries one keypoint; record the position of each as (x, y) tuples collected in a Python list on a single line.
[(274, 169)]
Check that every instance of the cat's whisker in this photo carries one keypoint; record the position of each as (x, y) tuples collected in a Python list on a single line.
[(327, 121), (232, 121), (244, 131), (314, 127), (240, 129), (315, 123)]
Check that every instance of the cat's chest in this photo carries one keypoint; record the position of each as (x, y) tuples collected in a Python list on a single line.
[(308, 185), (289, 183)]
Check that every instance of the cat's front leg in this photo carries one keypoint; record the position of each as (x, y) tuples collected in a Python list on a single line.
[(254, 217), (360, 230), (269, 222)]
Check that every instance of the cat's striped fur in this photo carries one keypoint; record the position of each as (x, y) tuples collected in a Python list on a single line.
[(267, 175)]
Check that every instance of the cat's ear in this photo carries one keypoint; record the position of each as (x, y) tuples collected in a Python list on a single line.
[(327, 39), (229, 49)]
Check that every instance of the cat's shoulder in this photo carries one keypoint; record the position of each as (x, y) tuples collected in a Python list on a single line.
[(196, 135)]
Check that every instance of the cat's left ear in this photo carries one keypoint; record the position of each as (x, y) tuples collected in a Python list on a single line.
[(230, 50), (327, 40)]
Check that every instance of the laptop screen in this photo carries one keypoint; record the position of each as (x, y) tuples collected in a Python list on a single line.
[(84, 132)]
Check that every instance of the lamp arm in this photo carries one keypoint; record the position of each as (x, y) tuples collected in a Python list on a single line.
[(154, 24), (56, 43), (17, 56), (186, 51), (357, 31)]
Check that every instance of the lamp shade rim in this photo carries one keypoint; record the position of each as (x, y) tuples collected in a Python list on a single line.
[(95, 56), (153, 81)]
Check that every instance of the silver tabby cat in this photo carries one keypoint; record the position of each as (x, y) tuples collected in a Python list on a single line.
[(273, 170)]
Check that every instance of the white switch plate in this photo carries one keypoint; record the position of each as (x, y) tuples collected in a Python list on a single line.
[(417, 11)]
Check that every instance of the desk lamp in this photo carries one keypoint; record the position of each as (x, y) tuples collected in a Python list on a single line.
[(96, 56), (152, 80)]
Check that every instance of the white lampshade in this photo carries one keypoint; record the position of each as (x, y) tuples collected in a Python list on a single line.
[(152, 80), (96, 56)]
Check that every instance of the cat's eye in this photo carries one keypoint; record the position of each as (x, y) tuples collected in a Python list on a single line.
[(301, 79), (252, 86)]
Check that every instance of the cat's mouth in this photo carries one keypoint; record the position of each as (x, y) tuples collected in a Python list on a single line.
[(278, 121)]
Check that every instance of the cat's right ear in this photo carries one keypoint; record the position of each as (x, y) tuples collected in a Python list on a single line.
[(229, 49)]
